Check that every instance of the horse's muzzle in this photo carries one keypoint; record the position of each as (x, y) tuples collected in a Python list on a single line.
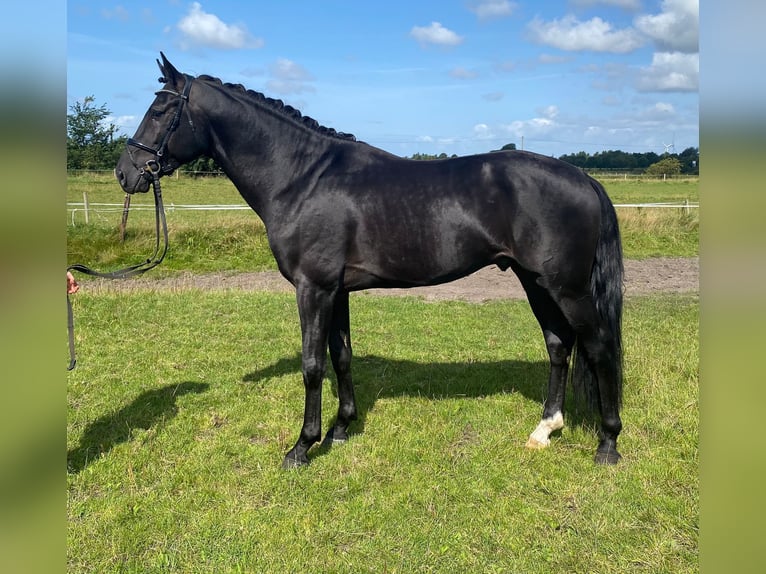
[(137, 182)]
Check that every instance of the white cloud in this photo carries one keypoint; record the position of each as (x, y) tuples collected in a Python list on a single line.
[(537, 127), (482, 132), (435, 34), (122, 122), (200, 28), (662, 108), (670, 72), (676, 28), (488, 9), (534, 127), (549, 112), (287, 77), (595, 35)]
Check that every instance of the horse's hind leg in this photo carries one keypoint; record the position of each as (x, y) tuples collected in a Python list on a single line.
[(340, 354), (596, 339), (559, 340)]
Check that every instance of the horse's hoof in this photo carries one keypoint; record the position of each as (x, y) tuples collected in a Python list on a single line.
[(607, 457), (292, 461), (334, 438), (534, 444)]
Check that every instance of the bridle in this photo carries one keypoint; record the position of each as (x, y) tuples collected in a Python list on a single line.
[(155, 165), (152, 170)]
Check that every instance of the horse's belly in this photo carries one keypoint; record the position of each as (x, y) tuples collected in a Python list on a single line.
[(413, 267)]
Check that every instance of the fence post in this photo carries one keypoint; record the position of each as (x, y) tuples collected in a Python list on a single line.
[(86, 206)]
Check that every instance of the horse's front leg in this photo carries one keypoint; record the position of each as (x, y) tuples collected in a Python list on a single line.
[(340, 353), (315, 310)]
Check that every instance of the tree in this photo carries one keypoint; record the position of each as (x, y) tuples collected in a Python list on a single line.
[(430, 157), (91, 142), (203, 165), (666, 166), (690, 160)]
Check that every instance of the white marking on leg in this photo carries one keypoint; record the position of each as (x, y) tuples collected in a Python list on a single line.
[(540, 436)]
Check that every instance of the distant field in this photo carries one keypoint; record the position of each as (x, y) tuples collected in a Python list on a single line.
[(204, 241), (652, 190)]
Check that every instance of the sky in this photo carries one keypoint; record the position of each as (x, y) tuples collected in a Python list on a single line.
[(432, 76)]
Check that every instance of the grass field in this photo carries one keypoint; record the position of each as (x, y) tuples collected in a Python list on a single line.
[(183, 405), (236, 240)]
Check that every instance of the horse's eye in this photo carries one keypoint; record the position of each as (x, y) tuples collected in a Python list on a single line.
[(155, 115)]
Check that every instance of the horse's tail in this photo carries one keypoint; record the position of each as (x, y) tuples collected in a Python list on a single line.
[(606, 287)]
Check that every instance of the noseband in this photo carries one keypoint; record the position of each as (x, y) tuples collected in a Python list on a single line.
[(154, 166)]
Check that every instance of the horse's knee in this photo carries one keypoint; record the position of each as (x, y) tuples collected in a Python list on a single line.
[(313, 371), (347, 411), (340, 352), (342, 361), (558, 351)]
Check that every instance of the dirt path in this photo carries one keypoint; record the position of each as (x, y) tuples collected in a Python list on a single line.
[(658, 275)]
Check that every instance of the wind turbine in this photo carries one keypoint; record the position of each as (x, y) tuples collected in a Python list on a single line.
[(670, 146)]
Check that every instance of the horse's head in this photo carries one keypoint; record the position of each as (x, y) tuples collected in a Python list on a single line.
[(167, 136)]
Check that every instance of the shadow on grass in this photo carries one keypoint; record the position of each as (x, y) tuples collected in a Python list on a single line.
[(379, 377), (148, 409)]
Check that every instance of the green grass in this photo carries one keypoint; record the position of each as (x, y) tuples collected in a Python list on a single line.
[(236, 240), (652, 190), (182, 406)]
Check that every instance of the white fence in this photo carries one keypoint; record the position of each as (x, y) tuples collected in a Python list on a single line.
[(87, 207)]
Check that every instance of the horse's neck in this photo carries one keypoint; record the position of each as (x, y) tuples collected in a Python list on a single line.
[(265, 155)]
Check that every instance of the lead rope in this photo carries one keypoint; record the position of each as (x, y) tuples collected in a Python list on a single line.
[(132, 270)]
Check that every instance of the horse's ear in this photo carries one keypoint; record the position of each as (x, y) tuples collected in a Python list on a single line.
[(169, 73)]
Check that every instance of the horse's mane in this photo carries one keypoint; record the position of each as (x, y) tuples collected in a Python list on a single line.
[(280, 107)]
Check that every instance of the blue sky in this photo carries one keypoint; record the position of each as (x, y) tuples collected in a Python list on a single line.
[(453, 76)]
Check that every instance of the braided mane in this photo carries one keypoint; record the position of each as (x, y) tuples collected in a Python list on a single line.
[(282, 108)]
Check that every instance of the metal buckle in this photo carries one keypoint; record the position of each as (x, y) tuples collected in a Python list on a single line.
[(153, 166)]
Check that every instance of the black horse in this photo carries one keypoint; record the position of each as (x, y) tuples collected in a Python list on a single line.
[(343, 216)]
